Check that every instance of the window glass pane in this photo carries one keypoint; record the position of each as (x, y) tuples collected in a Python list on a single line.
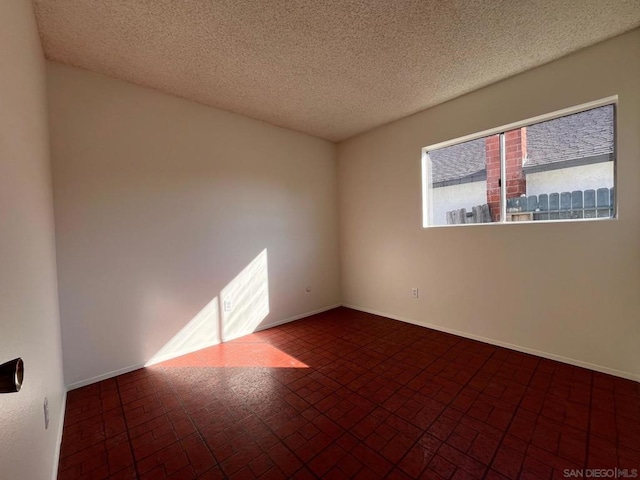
[(562, 169), (457, 182)]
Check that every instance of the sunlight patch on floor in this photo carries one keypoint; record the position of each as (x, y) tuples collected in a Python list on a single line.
[(237, 354)]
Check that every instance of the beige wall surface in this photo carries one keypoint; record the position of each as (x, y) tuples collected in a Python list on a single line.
[(29, 319), (569, 290), (162, 205)]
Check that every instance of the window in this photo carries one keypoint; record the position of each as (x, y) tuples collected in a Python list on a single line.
[(560, 167)]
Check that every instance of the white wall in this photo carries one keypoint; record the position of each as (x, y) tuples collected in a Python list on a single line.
[(29, 321), (583, 177), (455, 197), (540, 287), (161, 203)]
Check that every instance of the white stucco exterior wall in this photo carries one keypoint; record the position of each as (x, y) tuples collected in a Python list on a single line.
[(466, 195), (584, 177)]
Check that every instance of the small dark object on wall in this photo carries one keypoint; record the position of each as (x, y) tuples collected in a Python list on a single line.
[(11, 375)]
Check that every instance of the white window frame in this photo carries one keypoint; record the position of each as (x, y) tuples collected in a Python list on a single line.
[(426, 173)]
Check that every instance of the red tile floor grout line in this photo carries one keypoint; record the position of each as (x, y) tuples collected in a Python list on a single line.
[(208, 448), (198, 433), (127, 429), (493, 458), (586, 456), (417, 440), (345, 394)]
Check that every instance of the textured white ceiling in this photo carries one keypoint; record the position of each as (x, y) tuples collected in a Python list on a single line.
[(330, 68)]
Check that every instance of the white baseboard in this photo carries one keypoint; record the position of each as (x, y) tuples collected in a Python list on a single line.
[(282, 322), (180, 353), (121, 371), (104, 376), (297, 317), (510, 346), (56, 453)]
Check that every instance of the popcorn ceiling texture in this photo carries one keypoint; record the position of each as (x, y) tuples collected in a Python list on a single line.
[(330, 68)]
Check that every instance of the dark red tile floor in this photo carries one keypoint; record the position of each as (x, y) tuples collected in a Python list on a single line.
[(346, 394)]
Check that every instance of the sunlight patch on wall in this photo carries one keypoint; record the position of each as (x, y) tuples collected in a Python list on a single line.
[(202, 331), (245, 300), (239, 309)]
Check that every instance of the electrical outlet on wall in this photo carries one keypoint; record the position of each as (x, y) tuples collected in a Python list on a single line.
[(46, 413), (227, 305), (414, 292)]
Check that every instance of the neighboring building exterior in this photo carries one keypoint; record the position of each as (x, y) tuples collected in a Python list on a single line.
[(574, 152), (458, 178)]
